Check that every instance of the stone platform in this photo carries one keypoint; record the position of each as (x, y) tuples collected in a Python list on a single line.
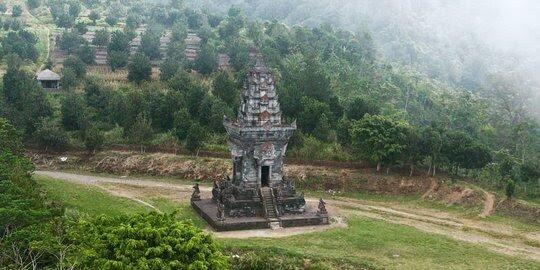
[(207, 209)]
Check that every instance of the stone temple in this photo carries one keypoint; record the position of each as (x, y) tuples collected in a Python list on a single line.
[(257, 195)]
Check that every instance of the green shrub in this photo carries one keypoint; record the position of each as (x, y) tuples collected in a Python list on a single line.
[(314, 149), (144, 241), (510, 189), (166, 140), (114, 136)]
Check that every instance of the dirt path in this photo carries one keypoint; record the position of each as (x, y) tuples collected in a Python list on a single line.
[(129, 196), (497, 237), (489, 204)]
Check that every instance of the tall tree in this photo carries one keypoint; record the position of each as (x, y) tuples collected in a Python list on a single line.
[(77, 65), (379, 138), (16, 11), (33, 4), (206, 62), (432, 136), (74, 8), (150, 45), (93, 139), (69, 41), (182, 122), (74, 112), (225, 88), (111, 19), (141, 132), (101, 38), (195, 138), (87, 54), (118, 50), (94, 16), (416, 149), (3, 6), (21, 43), (311, 113), (139, 69), (69, 79), (50, 135), (24, 97)]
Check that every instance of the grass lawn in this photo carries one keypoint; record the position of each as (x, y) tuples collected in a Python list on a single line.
[(88, 199), (94, 201), (366, 243), (379, 245)]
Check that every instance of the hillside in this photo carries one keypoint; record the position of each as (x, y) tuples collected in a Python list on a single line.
[(416, 126)]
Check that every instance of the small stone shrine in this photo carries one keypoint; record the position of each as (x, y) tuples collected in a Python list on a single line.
[(257, 196)]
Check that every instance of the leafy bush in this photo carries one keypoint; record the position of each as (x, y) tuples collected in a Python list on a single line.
[(149, 241), (114, 136), (313, 149), (51, 135), (166, 140)]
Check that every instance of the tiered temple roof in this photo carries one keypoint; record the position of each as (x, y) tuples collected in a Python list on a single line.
[(259, 102)]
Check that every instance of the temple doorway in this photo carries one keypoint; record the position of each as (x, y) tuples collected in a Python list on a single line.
[(265, 176)]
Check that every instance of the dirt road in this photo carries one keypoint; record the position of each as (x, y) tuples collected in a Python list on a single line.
[(497, 237)]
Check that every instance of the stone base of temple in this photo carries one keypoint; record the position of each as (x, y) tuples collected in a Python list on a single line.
[(208, 210)]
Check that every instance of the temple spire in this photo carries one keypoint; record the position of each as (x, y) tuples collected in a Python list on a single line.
[(260, 64), (259, 105)]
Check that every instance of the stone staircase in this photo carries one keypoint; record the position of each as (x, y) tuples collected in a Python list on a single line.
[(268, 202)]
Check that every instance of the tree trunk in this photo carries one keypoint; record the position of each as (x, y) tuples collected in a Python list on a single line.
[(412, 169), (430, 165), (378, 166), (407, 98), (388, 169), (434, 169)]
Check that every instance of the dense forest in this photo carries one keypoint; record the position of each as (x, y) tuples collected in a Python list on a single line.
[(365, 92), (465, 43)]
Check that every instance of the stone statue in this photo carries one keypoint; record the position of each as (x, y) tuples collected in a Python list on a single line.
[(196, 195), (322, 207), (220, 211)]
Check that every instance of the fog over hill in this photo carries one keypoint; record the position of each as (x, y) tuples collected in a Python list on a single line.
[(462, 42)]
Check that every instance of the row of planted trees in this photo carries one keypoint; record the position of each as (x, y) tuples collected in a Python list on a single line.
[(387, 141)]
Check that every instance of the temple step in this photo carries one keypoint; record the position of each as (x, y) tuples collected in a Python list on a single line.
[(268, 201)]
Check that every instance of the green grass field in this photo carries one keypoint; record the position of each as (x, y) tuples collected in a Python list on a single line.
[(366, 243), (88, 199), (376, 244)]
